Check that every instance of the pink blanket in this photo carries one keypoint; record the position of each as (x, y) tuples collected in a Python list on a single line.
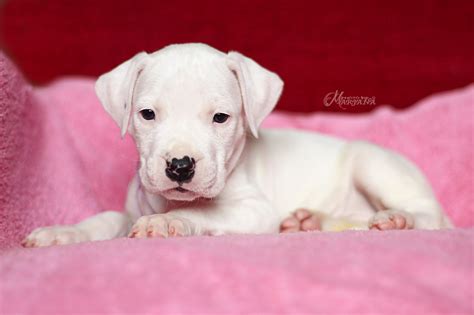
[(61, 160)]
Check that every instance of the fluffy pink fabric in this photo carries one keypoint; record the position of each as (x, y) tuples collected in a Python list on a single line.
[(61, 160)]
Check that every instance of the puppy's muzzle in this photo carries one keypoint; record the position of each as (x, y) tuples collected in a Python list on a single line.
[(180, 170)]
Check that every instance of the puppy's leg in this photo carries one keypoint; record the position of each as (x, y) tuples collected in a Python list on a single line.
[(103, 226), (396, 188), (249, 212), (205, 221)]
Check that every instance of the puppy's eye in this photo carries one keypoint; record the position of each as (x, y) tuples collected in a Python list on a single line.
[(220, 118), (147, 114)]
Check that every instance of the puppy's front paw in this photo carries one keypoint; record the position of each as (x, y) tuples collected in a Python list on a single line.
[(161, 225), (391, 220), (55, 235)]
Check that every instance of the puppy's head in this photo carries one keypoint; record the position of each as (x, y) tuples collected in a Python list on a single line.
[(188, 108)]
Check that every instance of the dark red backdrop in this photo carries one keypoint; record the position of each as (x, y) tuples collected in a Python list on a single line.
[(398, 51)]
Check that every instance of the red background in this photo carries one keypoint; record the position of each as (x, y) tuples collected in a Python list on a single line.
[(398, 51)]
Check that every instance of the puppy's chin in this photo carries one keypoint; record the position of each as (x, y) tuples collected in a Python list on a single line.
[(179, 195), (184, 193)]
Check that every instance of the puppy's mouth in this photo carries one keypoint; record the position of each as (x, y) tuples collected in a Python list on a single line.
[(181, 192), (181, 189)]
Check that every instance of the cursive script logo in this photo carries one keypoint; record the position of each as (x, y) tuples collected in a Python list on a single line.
[(343, 102)]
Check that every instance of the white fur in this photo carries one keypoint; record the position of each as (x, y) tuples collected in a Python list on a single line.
[(241, 184)]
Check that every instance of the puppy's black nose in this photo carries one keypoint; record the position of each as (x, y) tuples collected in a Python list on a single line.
[(180, 170)]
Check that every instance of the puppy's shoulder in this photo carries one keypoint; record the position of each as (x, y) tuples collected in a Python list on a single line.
[(295, 137), (292, 145)]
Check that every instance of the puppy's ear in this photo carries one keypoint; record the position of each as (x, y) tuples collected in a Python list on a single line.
[(259, 87), (115, 89)]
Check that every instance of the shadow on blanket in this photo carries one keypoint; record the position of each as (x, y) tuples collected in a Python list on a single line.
[(61, 160)]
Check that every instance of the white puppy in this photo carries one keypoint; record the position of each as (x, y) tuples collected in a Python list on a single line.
[(189, 108)]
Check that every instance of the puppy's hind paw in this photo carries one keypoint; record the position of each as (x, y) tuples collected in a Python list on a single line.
[(301, 220), (391, 220)]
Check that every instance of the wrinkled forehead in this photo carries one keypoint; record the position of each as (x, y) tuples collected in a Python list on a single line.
[(187, 82)]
